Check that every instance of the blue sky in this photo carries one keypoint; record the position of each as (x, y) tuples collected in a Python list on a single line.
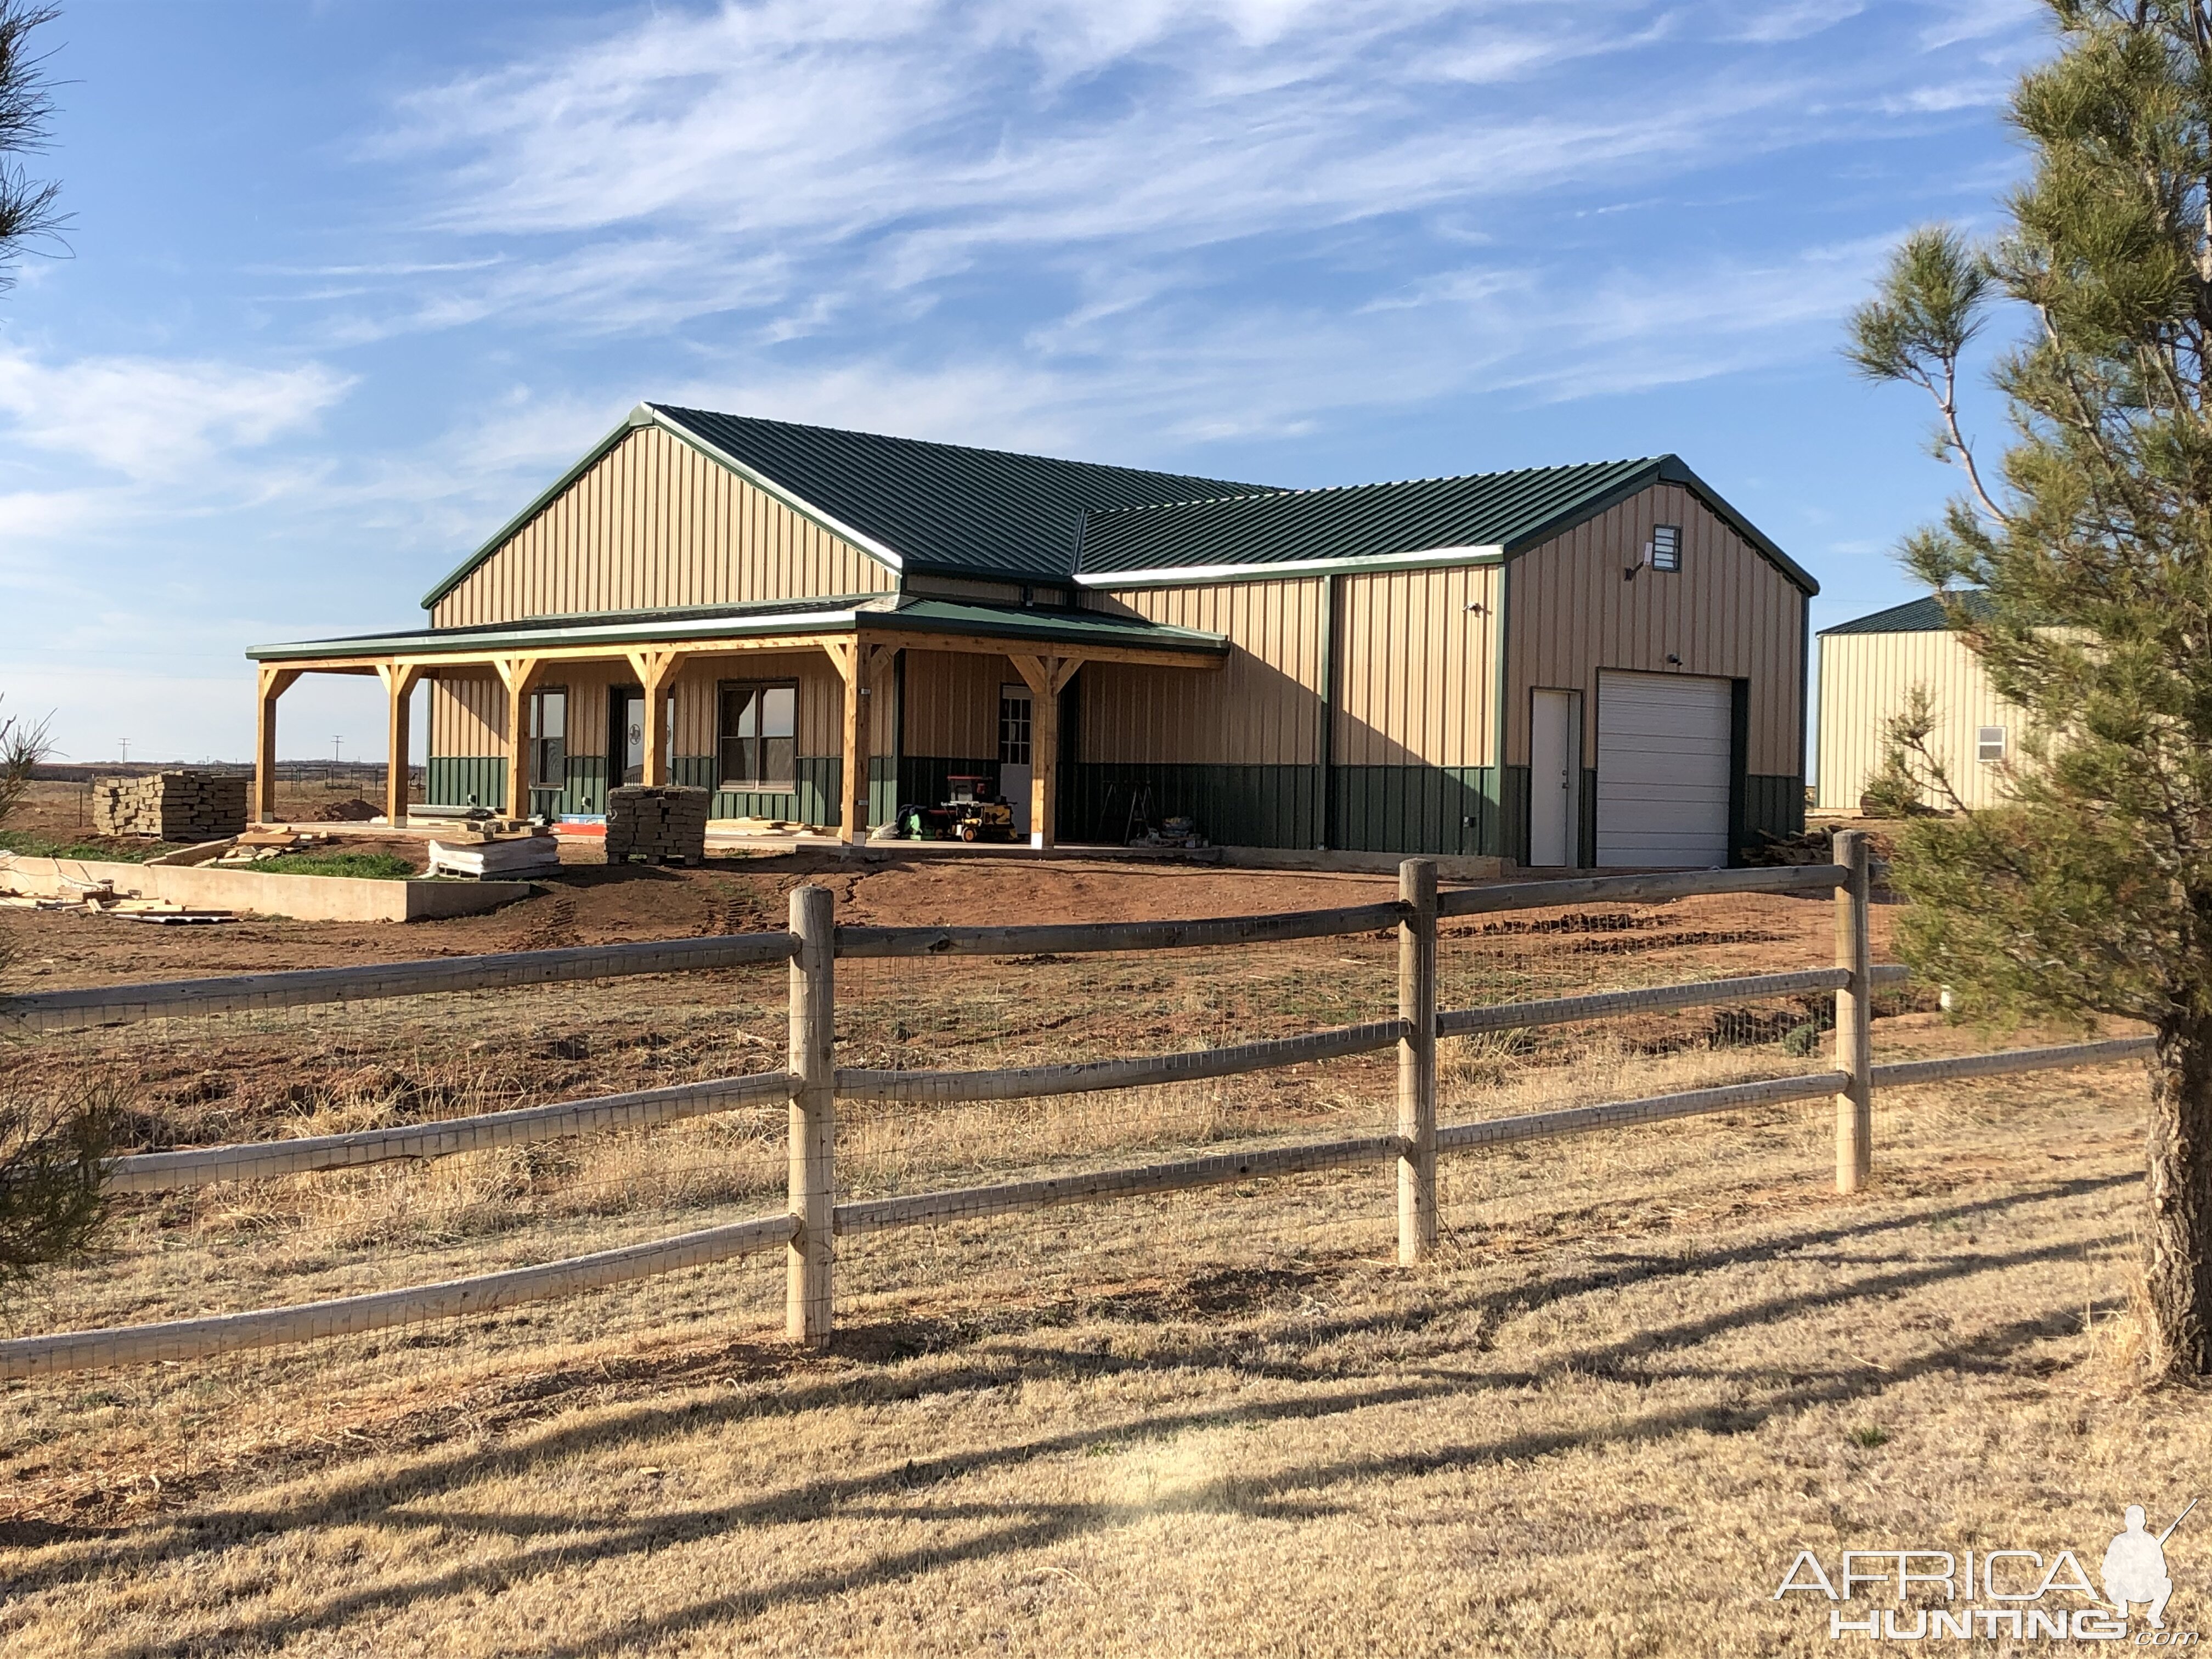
[(351, 280)]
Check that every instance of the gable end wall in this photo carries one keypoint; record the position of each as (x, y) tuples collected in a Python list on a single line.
[(655, 525)]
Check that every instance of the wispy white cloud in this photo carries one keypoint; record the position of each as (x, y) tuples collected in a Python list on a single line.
[(157, 420)]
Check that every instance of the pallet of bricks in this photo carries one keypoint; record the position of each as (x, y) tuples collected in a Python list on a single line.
[(182, 806), (660, 825)]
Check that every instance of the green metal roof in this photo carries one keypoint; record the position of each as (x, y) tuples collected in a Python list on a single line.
[(1922, 616), (1040, 625), (952, 510), (1497, 513), (942, 507)]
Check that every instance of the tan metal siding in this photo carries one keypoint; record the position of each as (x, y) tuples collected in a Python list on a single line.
[(1417, 684), (655, 525), (1864, 681), (982, 592), (952, 703), (468, 716), (821, 697), (1262, 708), (1727, 612)]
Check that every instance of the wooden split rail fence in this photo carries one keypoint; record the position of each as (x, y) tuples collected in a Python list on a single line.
[(812, 1083)]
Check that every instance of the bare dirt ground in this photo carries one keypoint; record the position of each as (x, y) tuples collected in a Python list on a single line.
[(1644, 1370)]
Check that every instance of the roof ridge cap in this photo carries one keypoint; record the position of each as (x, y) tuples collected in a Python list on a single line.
[(1377, 483), (677, 410)]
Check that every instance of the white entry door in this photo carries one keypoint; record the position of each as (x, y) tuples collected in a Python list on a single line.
[(1663, 763), (1014, 754), (1555, 778)]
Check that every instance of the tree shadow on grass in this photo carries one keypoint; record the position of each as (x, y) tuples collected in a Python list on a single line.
[(567, 1541), (774, 1380)]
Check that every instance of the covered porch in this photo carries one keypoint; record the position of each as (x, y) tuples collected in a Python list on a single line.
[(812, 702)]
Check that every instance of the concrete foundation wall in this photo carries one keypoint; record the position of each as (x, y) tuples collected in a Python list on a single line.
[(302, 898)]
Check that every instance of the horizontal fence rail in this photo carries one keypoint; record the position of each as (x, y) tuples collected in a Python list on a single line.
[(1021, 1083), (181, 999), (1610, 1005), (814, 942), (1637, 889), (1083, 938), (160, 1172), (1622, 1114), (1901, 1074), (356, 1315), (921, 1209)]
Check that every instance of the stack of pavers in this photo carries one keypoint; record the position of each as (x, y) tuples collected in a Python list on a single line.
[(661, 826), (175, 806)]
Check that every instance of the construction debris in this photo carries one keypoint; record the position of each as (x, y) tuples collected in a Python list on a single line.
[(205, 853), (661, 825), (181, 806), (99, 898), (256, 846)]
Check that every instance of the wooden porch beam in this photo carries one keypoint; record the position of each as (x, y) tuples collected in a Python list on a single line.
[(1046, 677), (273, 683), (657, 668), (520, 676), (400, 680)]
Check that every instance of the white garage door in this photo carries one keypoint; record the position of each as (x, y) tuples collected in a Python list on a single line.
[(1662, 770)]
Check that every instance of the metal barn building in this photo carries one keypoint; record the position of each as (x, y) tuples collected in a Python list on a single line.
[(1869, 667), (1597, 664)]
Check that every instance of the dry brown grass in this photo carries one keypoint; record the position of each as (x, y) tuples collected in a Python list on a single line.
[(1643, 1369)]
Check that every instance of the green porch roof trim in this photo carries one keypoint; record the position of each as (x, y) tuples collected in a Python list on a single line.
[(1922, 616), (1036, 627), (1481, 512)]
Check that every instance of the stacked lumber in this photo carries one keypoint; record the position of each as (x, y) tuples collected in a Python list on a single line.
[(661, 825), (182, 806), (514, 854)]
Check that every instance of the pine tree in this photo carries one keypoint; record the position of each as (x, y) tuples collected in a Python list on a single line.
[(2088, 890), (27, 210)]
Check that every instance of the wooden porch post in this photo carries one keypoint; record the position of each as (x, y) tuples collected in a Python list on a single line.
[(519, 675), (871, 674), (400, 680), (1047, 678), (656, 673), (274, 683), (850, 658)]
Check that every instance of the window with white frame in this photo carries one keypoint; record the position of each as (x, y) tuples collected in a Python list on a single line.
[(1989, 744), (1013, 727), (1667, 547), (549, 738)]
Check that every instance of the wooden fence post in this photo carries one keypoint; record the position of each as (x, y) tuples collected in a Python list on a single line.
[(1417, 1061), (1854, 1016), (813, 1114)]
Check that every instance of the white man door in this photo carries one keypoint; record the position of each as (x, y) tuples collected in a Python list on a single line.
[(1555, 778), (1663, 764), (1014, 707)]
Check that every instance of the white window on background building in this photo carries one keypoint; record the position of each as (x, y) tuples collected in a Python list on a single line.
[(1989, 744), (549, 738), (1667, 547)]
